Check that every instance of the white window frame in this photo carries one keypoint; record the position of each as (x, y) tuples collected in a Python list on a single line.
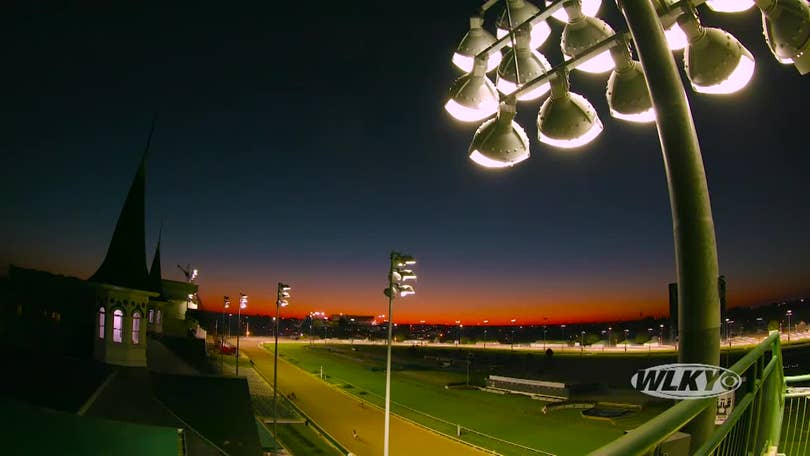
[(102, 314), (118, 326)]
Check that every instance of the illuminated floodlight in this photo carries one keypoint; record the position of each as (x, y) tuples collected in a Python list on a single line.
[(589, 8), (520, 11), (786, 26), (716, 62), (243, 301), (676, 38), (473, 96), (567, 120), (500, 142), (627, 93), (475, 41), (521, 65), (405, 274), (405, 290), (729, 6), (581, 34)]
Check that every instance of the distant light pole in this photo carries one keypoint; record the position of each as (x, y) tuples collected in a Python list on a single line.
[(562, 327), (222, 336), (610, 335), (582, 342), (282, 294), (513, 333), (789, 313), (243, 299), (397, 275), (486, 322), (626, 335), (544, 336), (661, 334)]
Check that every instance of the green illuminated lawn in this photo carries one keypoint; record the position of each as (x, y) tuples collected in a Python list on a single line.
[(514, 418)]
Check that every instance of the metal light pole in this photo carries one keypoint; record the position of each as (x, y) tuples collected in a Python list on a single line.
[(789, 313), (282, 293), (242, 304), (396, 275), (222, 336), (626, 334)]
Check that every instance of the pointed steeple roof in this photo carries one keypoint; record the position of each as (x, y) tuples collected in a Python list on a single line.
[(125, 263), (155, 276)]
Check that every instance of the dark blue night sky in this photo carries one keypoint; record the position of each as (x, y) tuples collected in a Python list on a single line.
[(302, 141)]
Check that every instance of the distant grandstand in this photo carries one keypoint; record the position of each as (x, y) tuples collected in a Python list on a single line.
[(546, 390)]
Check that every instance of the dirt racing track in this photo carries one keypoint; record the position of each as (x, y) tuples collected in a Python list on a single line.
[(339, 413)]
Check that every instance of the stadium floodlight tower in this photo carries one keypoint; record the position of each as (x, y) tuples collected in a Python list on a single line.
[(243, 300), (398, 274), (282, 295), (227, 305), (645, 89)]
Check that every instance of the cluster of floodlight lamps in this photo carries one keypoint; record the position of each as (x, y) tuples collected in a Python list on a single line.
[(398, 274), (714, 61)]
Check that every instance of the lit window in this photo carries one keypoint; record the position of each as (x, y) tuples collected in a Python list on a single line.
[(151, 316), (136, 328), (157, 317), (101, 316), (118, 325)]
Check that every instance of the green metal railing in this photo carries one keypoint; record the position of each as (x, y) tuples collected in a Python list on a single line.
[(796, 420), (754, 425)]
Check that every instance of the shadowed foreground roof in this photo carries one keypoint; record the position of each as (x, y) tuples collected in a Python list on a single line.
[(36, 430)]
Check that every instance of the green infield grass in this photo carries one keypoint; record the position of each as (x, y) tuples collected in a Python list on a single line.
[(510, 424)]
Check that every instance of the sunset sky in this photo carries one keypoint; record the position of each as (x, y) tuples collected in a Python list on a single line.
[(302, 142)]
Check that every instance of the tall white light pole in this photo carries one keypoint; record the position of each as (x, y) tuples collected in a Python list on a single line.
[(789, 314), (222, 336), (282, 294), (243, 299), (397, 275)]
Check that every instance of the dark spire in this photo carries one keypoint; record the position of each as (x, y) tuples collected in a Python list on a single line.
[(155, 276), (125, 263)]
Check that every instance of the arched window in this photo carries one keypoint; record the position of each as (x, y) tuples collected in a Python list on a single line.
[(157, 317), (118, 325), (101, 315), (136, 328), (151, 316)]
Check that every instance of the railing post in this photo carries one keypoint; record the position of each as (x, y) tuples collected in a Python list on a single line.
[(773, 404)]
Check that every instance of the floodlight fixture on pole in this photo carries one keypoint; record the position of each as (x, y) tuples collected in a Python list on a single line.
[(789, 314), (519, 12), (522, 64), (473, 97), (786, 26), (282, 296), (475, 41), (397, 273), (567, 120), (227, 304), (589, 8), (500, 141), (581, 33), (715, 62), (243, 301), (729, 6)]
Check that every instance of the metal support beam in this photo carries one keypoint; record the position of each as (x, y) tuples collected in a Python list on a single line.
[(693, 227)]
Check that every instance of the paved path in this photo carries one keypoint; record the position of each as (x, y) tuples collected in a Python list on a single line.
[(339, 413)]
